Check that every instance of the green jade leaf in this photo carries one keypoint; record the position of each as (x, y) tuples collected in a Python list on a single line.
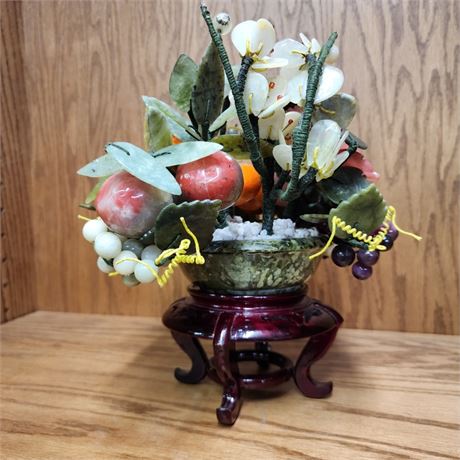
[(343, 184), (157, 133), (235, 145), (340, 108), (314, 218), (141, 164), (95, 190), (186, 152), (100, 167), (364, 211), (200, 217), (181, 82), (208, 92), (178, 125)]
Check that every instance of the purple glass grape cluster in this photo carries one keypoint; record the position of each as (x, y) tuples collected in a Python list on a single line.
[(344, 255)]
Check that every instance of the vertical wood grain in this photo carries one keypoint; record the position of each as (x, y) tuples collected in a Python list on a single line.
[(17, 278), (87, 63)]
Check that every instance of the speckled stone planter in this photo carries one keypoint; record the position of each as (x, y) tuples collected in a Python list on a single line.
[(260, 267)]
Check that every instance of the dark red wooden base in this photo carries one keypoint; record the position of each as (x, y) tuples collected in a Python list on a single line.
[(228, 319)]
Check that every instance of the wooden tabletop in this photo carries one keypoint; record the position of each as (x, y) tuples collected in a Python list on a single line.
[(93, 387)]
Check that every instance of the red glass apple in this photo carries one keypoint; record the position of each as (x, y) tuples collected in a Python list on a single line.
[(128, 205), (215, 177)]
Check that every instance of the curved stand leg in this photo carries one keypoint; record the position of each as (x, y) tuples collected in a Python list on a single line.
[(263, 348), (192, 347), (226, 370), (315, 349)]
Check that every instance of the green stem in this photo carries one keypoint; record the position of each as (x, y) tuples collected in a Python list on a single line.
[(246, 64), (222, 218), (248, 133), (302, 131)]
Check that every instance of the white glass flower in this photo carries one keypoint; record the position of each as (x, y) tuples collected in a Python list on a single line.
[(315, 47), (323, 145), (330, 82), (269, 127), (276, 89), (282, 153), (255, 96), (255, 39), (295, 52), (296, 72)]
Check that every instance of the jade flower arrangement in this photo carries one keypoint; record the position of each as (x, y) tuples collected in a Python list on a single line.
[(260, 150)]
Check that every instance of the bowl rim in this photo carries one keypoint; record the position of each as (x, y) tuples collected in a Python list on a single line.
[(284, 245)]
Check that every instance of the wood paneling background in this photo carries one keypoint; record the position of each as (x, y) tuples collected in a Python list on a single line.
[(85, 65), (17, 269)]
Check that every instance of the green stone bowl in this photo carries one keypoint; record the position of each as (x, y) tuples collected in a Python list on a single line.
[(256, 267)]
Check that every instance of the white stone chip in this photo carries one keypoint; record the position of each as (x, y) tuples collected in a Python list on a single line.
[(282, 229)]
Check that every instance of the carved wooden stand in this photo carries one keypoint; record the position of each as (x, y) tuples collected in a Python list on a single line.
[(227, 319)]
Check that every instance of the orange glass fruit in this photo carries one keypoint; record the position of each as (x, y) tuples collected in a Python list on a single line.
[(253, 205), (251, 187)]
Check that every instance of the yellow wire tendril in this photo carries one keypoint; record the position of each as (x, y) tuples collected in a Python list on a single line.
[(83, 218), (373, 242), (179, 257)]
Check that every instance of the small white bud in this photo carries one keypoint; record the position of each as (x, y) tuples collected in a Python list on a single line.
[(222, 23)]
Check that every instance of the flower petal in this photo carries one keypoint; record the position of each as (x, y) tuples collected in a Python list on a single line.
[(225, 116), (329, 84), (291, 50), (254, 37), (306, 42), (269, 63), (289, 72), (242, 34), (276, 89), (297, 86), (315, 46), (265, 35), (339, 159), (341, 141), (269, 110), (324, 135), (255, 92), (283, 156), (333, 55), (269, 127), (291, 119)]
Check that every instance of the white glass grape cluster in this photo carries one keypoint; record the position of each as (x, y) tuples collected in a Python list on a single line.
[(112, 248)]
